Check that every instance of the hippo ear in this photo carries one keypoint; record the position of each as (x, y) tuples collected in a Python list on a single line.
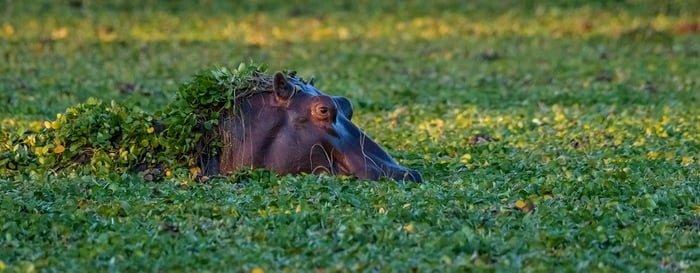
[(344, 106), (282, 88)]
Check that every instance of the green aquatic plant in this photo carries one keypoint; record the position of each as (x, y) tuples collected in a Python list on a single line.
[(103, 137)]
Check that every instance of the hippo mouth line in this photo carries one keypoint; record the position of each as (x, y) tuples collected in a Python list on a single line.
[(341, 169), (332, 163)]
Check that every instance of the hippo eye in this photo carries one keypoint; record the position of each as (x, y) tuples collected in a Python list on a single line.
[(322, 112)]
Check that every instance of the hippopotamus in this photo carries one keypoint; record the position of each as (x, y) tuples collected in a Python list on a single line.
[(290, 127)]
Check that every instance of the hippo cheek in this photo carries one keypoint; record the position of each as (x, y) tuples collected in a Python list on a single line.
[(356, 154)]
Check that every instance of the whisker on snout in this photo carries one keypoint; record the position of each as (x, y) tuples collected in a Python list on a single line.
[(367, 157), (329, 159), (322, 170)]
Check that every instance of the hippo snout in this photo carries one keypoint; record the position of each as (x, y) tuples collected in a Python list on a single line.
[(365, 159), (401, 173), (412, 175), (372, 170)]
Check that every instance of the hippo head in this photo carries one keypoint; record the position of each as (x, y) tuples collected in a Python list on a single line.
[(296, 129)]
